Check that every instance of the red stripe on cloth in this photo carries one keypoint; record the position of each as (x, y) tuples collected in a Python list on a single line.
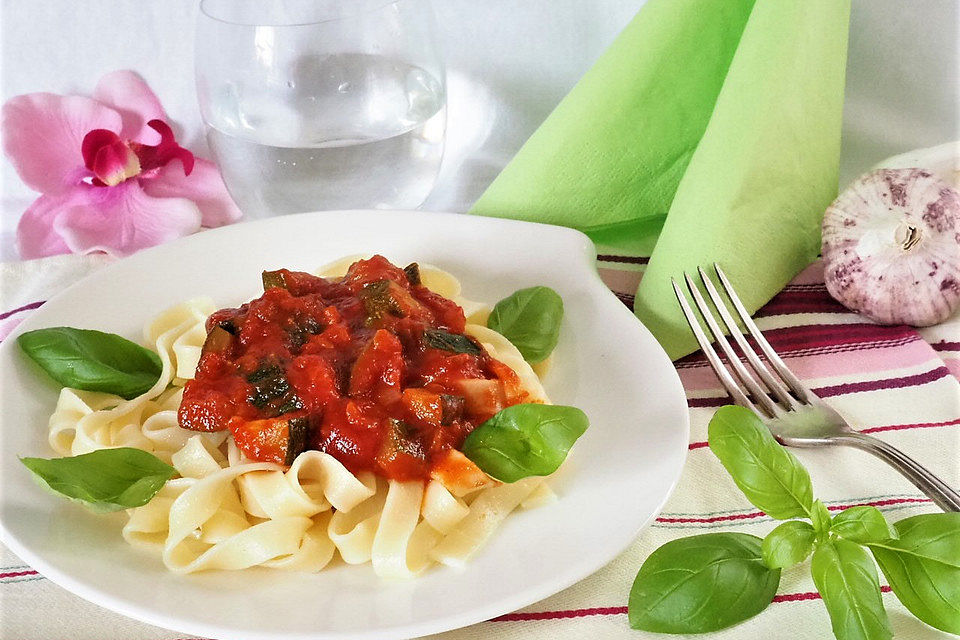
[(813, 339), (803, 301), (890, 427), (849, 387), (757, 514), (624, 259), (555, 615), (877, 503), (15, 574), (918, 425), (26, 307), (619, 611), (943, 345), (811, 595)]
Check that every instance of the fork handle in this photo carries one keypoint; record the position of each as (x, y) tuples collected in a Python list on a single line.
[(936, 489)]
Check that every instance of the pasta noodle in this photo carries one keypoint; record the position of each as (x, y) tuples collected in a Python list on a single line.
[(226, 512)]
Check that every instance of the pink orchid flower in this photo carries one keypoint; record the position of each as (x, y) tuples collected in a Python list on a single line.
[(111, 174)]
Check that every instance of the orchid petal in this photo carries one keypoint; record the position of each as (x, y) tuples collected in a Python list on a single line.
[(110, 159), (43, 133), (204, 186), (93, 141), (123, 219), (159, 155), (136, 103), (36, 237)]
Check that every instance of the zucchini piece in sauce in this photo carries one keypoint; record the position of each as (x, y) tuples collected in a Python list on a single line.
[(276, 440), (273, 279)]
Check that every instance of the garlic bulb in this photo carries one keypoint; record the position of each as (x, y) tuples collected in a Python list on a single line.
[(891, 247), (942, 160)]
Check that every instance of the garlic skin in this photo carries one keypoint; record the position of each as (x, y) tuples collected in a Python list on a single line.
[(891, 247), (942, 160)]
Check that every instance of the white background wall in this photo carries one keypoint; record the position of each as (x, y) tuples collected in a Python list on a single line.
[(508, 61)]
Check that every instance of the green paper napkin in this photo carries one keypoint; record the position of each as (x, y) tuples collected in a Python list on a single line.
[(710, 131)]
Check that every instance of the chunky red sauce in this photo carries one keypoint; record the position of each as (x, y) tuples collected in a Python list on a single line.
[(373, 369)]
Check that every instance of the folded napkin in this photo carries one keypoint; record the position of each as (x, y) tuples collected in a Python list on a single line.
[(708, 131), (893, 381)]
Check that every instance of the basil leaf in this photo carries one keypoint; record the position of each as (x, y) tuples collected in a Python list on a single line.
[(923, 567), (92, 360), (862, 524), (106, 479), (440, 339), (788, 544), (820, 516), (770, 477), (701, 583), (525, 440), (846, 578), (530, 319)]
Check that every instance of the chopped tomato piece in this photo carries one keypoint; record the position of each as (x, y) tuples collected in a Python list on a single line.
[(423, 407), (211, 412), (380, 364), (261, 440), (513, 391), (376, 268), (448, 313), (314, 380), (401, 454)]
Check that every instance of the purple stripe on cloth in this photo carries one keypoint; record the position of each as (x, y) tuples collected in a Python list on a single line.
[(625, 298), (850, 387), (26, 307), (624, 259), (943, 345)]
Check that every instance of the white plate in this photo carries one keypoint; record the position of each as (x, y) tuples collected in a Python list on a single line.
[(616, 480)]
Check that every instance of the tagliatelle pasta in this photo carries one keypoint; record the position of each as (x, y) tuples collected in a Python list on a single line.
[(224, 511)]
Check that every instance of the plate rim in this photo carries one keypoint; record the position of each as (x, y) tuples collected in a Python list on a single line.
[(456, 620)]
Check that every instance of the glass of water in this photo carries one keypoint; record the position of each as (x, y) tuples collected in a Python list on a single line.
[(322, 104)]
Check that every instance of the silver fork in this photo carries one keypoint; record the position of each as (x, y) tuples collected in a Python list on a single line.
[(793, 413)]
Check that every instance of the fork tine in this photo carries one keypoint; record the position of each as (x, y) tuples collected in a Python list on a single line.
[(759, 395), (792, 381), (725, 378), (772, 383)]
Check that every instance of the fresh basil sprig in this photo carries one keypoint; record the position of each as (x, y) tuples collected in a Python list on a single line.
[(768, 474), (106, 479), (862, 525), (93, 360), (847, 581), (789, 544), (723, 570), (920, 556), (525, 440), (923, 567), (530, 319)]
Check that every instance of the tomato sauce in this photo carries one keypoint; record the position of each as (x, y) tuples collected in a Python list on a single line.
[(373, 368)]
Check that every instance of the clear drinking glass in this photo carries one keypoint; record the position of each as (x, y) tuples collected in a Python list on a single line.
[(322, 104)]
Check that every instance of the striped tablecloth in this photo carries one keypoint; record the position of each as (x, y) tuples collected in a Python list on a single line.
[(897, 382)]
